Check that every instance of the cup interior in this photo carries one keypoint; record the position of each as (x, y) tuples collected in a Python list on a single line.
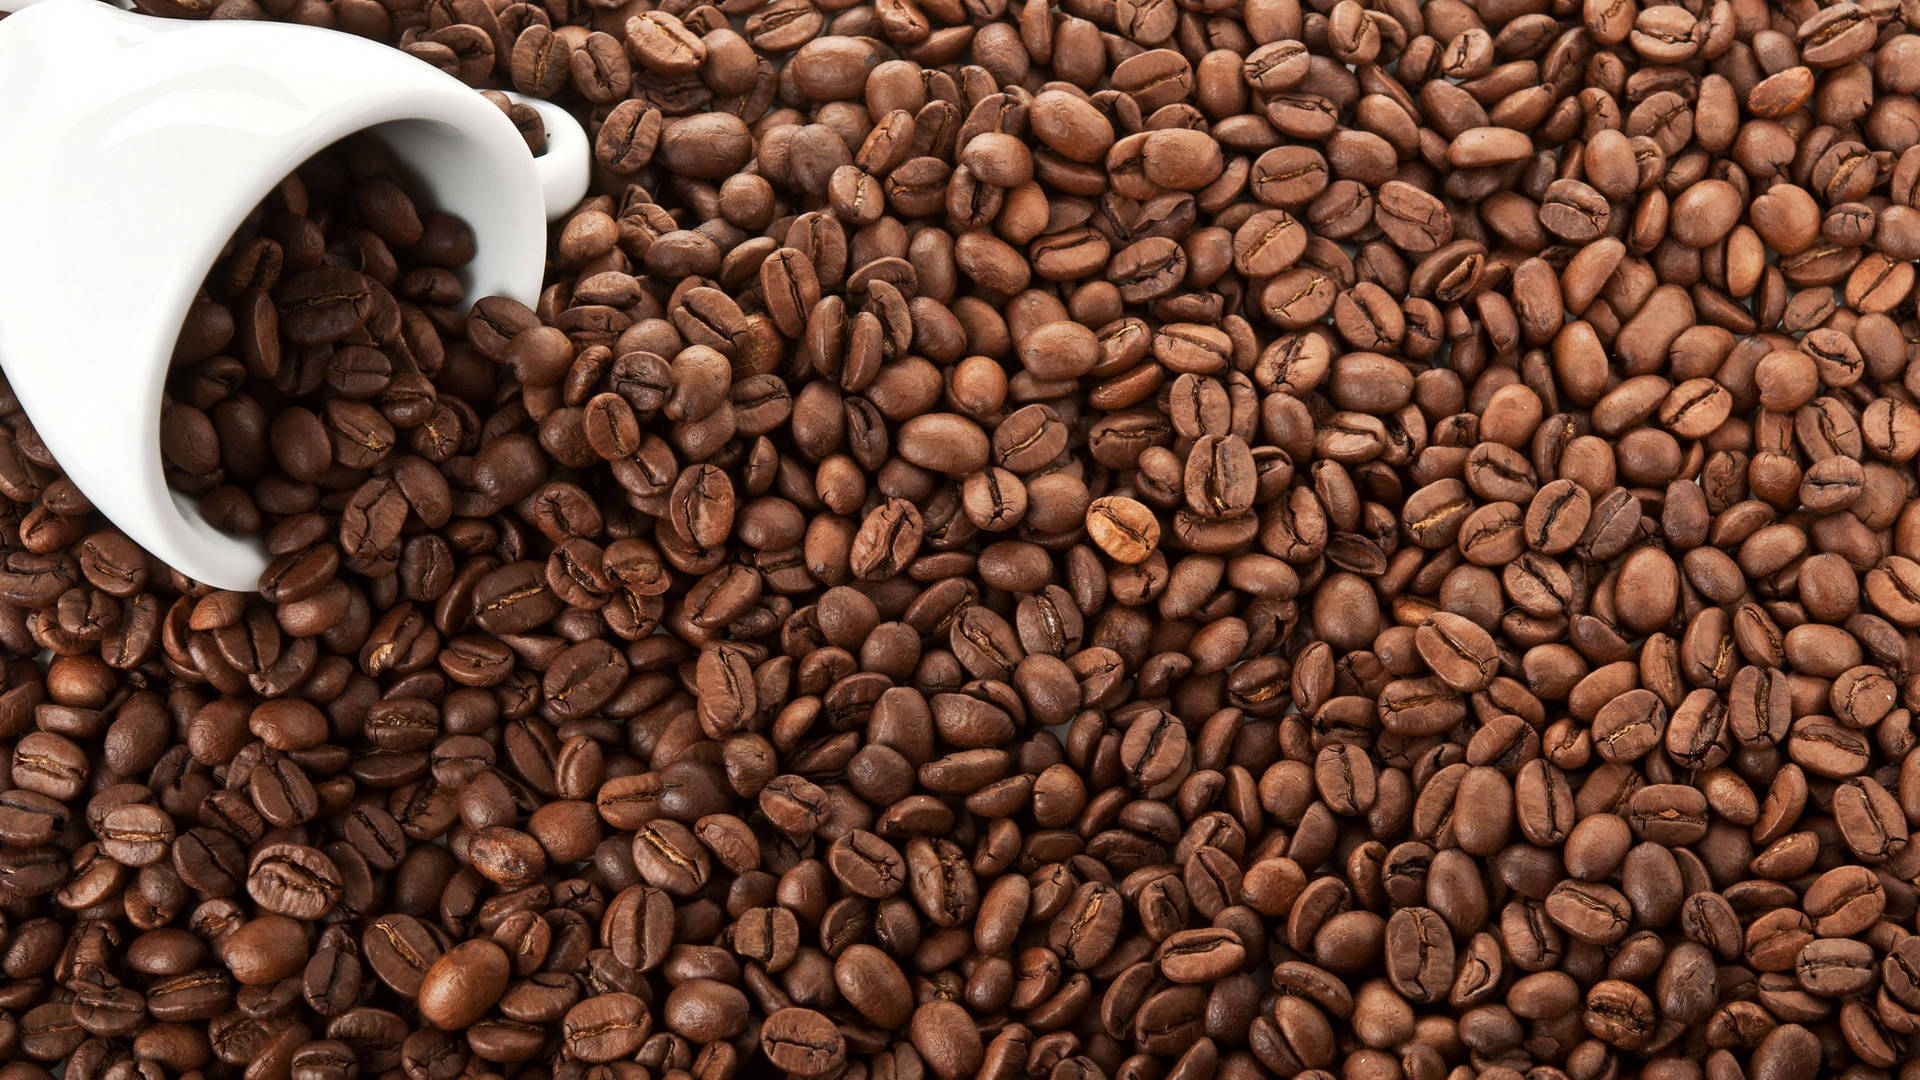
[(446, 170)]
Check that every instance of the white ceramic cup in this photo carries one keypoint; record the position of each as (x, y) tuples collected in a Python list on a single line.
[(134, 147)]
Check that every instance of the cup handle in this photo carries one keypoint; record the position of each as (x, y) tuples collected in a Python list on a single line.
[(566, 166)]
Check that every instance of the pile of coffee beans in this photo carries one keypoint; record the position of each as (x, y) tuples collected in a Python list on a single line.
[(1140, 540)]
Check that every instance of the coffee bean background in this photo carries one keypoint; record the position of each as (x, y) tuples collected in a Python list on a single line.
[(1141, 539)]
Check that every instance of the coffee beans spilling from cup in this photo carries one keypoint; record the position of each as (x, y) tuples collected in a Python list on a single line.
[(1141, 540)]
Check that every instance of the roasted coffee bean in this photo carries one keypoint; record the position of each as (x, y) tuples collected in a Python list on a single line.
[(1619, 1013), (265, 950), (1123, 528), (400, 949), (1459, 653), (1835, 967), (1419, 954), (606, 1027), (294, 880), (805, 1043), (1589, 911), (463, 984), (1200, 956)]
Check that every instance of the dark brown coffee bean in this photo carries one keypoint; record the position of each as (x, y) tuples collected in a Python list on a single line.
[(670, 858), (1589, 911), (1619, 1013), (606, 1027), (1419, 954), (463, 984), (1459, 652), (804, 1042), (400, 949), (1200, 956), (944, 1035), (293, 880)]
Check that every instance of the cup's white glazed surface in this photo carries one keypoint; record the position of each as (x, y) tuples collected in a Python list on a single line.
[(135, 146)]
